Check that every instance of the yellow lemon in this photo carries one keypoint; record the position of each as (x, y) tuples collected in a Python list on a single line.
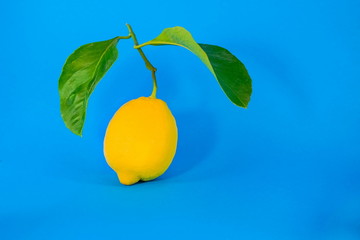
[(140, 140)]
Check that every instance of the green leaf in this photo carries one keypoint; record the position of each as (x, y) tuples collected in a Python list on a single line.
[(227, 69), (81, 72)]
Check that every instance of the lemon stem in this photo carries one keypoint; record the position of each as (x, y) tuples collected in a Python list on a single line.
[(147, 62)]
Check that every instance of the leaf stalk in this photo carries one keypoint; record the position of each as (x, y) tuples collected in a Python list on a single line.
[(146, 60)]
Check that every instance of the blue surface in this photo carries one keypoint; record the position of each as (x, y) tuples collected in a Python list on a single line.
[(285, 168)]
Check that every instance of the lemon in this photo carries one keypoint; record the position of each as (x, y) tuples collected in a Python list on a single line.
[(140, 140)]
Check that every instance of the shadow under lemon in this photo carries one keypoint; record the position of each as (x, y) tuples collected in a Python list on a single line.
[(196, 140)]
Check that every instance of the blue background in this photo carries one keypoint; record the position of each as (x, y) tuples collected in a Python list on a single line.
[(285, 168)]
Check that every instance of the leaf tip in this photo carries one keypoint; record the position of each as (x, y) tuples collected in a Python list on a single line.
[(77, 132), (241, 104)]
